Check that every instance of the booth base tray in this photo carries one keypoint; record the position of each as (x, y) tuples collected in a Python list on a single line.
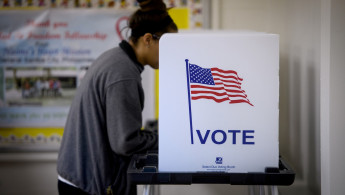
[(143, 169)]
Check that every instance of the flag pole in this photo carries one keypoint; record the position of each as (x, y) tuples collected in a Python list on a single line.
[(190, 108)]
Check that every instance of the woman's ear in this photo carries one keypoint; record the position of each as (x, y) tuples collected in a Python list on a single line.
[(147, 38)]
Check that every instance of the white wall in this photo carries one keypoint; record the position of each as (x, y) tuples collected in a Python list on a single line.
[(28, 173), (337, 97), (312, 35), (333, 95), (298, 24)]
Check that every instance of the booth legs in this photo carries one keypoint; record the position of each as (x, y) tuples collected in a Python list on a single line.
[(151, 190), (147, 190), (262, 190), (252, 190)]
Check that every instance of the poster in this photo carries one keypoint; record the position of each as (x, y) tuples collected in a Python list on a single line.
[(44, 55)]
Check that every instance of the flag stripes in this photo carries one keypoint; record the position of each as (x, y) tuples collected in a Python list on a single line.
[(217, 85)]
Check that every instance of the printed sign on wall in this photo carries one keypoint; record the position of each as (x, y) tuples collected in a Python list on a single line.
[(44, 55), (218, 108)]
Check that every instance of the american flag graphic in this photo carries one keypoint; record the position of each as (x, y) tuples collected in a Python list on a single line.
[(217, 85)]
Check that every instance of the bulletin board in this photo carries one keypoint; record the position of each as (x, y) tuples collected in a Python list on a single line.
[(45, 50)]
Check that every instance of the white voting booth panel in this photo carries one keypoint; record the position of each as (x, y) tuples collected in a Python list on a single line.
[(218, 102)]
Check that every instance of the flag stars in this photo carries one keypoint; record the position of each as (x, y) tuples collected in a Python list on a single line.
[(200, 75)]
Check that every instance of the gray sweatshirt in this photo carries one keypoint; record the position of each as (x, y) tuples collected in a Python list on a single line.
[(103, 128)]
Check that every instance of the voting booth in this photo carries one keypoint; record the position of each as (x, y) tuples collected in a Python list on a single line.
[(218, 102), (218, 111)]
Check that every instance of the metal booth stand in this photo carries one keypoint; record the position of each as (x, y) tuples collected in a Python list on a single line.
[(143, 170)]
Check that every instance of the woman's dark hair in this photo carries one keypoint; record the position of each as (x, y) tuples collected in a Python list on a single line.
[(152, 17)]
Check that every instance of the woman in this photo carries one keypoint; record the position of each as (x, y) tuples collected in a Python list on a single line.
[(102, 131)]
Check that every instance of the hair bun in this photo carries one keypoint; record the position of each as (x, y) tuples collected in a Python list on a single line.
[(152, 5)]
